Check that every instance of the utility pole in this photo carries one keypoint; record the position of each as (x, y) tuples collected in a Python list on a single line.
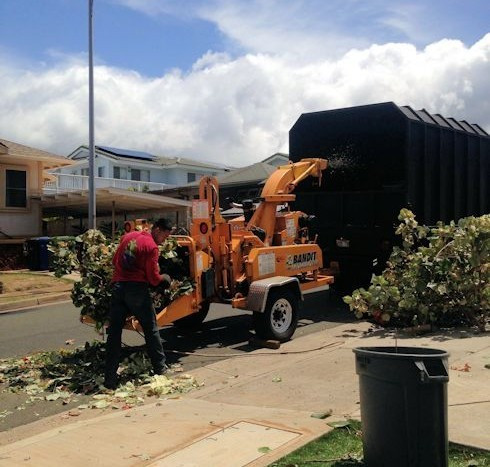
[(91, 145)]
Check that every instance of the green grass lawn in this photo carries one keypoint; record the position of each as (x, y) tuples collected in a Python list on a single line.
[(342, 447), (20, 286), (26, 282)]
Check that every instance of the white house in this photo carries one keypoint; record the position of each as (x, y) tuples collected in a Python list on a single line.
[(124, 168)]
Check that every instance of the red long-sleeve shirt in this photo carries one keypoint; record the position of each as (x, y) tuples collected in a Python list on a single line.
[(142, 265)]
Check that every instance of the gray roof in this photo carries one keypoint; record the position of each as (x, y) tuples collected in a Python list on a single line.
[(252, 173), (141, 156), (277, 155), (255, 173), (17, 150), (171, 161)]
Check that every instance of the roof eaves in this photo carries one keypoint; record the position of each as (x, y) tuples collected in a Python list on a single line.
[(467, 126), (27, 152), (409, 113), (481, 131)]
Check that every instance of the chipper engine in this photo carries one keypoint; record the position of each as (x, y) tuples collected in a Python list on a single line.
[(263, 261)]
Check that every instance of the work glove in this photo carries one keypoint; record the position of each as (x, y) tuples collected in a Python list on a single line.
[(166, 280)]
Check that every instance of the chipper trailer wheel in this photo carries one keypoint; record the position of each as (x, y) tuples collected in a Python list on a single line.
[(280, 317), (194, 320)]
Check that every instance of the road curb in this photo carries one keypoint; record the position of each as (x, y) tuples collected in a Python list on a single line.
[(21, 305)]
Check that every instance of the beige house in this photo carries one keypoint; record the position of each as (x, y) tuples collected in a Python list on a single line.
[(23, 171)]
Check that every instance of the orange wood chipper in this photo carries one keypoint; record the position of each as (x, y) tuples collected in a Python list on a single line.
[(263, 261)]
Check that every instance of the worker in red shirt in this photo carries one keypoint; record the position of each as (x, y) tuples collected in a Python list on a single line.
[(135, 269)]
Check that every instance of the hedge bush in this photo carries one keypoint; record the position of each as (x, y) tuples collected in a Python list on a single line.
[(439, 275)]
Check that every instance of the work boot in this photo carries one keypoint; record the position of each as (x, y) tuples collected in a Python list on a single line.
[(111, 383), (162, 370)]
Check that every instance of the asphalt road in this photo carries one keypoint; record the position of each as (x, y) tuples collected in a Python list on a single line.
[(45, 327), (225, 331)]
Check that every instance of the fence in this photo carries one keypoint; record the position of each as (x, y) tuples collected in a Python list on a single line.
[(68, 182)]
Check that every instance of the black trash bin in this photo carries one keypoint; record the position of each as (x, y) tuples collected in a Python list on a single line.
[(403, 395), (38, 254), (44, 253), (31, 252)]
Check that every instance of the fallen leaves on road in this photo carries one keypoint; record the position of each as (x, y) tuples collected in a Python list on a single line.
[(62, 375)]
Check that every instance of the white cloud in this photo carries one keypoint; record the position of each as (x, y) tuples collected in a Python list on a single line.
[(292, 29), (239, 110), (149, 7), (176, 8)]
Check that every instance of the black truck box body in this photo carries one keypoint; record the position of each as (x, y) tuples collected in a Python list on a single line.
[(383, 157)]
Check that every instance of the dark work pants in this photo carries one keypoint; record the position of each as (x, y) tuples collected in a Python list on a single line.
[(132, 298)]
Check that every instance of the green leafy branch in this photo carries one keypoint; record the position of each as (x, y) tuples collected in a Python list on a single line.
[(91, 255), (439, 275)]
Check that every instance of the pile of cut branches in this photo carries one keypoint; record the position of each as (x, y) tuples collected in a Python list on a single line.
[(440, 275), (65, 374)]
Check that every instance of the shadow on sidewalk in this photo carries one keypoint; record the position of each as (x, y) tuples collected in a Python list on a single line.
[(231, 333)]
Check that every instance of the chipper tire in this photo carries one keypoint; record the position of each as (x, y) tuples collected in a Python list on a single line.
[(280, 317), (195, 320)]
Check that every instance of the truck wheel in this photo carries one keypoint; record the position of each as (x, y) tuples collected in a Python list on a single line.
[(195, 320), (280, 317)]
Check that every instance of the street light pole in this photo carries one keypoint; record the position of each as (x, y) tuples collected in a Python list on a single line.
[(91, 145)]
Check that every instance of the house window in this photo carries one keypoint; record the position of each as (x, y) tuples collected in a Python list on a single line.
[(140, 175), (135, 174), (191, 177), (85, 172), (145, 175), (15, 188), (101, 171), (120, 173)]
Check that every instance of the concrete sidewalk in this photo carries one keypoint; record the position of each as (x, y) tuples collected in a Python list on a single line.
[(254, 409)]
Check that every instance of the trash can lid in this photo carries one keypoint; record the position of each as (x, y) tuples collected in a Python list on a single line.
[(401, 352)]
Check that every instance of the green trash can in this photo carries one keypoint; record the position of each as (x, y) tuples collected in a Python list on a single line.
[(403, 396)]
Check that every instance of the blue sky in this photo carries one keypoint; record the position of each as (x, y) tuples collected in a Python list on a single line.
[(41, 30), (227, 78)]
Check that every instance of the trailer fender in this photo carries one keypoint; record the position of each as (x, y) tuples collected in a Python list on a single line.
[(259, 290)]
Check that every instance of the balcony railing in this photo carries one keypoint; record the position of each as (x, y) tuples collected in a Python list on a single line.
[(68, 182)]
